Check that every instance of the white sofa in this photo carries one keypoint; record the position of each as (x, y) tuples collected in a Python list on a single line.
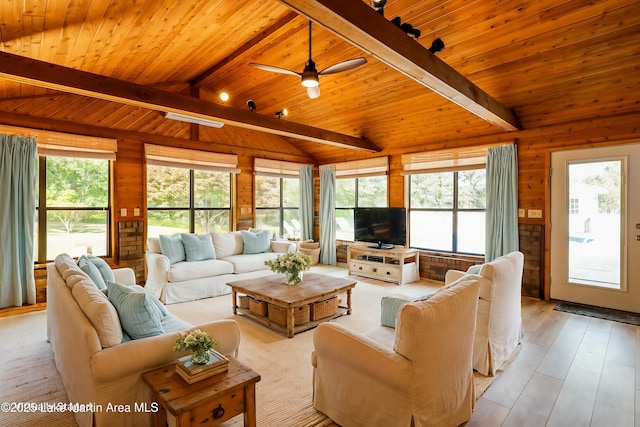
[(190, 280), (96, 367)]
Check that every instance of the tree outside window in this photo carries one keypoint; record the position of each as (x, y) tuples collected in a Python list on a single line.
[(76, 207), (183, 200)]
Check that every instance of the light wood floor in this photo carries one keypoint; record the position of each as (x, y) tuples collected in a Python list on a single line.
[(571, 371)]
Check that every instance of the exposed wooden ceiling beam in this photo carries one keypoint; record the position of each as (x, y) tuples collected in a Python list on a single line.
[(51, 76), (356, 22)]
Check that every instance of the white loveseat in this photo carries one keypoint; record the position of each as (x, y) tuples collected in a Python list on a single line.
[(181, 281), (96, 367)]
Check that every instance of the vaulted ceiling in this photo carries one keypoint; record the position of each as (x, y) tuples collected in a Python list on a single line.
[(542, 62)]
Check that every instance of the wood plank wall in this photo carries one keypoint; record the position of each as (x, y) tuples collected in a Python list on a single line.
[(534, 148)]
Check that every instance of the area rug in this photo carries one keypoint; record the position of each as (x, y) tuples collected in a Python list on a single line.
[(28, 373), (600, 313), (284, 393)]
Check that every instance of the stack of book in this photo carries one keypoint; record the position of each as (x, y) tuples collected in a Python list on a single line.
[(192, 372)]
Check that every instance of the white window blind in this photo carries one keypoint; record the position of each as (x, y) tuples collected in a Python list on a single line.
[(445, 160), (361, 168), (277, 168), (161, 155), (68, 145)]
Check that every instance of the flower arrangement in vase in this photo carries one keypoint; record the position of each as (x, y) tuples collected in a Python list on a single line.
[(200, 343), (291, 265)]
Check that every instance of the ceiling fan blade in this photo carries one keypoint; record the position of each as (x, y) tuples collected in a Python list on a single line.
[(347, 65), (313, 92), (273, 69)]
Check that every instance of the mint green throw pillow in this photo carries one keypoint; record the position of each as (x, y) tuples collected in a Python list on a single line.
[(255, 241), (198, 247), (390, 307), (97, 269), (139, 312), (94, 274), (172, 248)]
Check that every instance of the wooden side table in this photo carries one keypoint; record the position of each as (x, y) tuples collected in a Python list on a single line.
[(210, 401)]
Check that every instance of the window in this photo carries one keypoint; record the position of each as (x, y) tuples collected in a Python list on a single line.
[(188, 191), (447, 211), (447, 199), (277, 196), (187, 201), (73, 207), (76, 207), (574, 206), (277, 202), (360, 183)]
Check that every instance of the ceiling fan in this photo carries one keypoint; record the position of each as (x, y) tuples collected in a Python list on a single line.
[(310, 76)]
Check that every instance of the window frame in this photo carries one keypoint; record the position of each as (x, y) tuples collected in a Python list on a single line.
[(357, 199), (455, 209), (192, 209), (281, 208), (42, 210)]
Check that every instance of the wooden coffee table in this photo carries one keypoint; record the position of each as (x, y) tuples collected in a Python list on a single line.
[(272, 289), (210, 401)]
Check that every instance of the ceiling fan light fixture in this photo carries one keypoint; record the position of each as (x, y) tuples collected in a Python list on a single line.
[(310, 74), (310, 79)]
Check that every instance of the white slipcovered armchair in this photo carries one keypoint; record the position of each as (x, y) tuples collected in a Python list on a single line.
[(419, 373), (499, 323)]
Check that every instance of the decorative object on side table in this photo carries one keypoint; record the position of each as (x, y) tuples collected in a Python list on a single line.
[(291, 265), (204, 362)]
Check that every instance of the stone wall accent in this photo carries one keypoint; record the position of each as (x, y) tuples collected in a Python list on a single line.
[(131, 247), (434, 266), (532, 246)]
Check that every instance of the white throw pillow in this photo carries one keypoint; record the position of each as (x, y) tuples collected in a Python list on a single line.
[(153, 245), (227, 244)]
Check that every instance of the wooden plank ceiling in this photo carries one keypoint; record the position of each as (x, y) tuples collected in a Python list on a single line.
[(548, 61)]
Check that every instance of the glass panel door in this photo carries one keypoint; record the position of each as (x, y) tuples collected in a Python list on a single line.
[(595, 227)]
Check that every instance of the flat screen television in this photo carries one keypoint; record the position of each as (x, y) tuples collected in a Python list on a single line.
[(384, 227)]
